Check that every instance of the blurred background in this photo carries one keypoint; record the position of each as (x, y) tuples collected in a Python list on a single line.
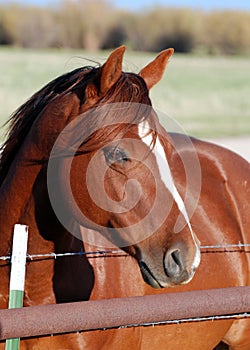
[(207, 84)]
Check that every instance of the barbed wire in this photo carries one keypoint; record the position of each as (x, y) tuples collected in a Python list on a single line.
[(119, 252), (180, 321), (105, 253), (225, 246), (100, 253), (188, 320)]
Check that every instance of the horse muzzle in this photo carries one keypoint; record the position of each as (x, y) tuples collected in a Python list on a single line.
[(177, 268)]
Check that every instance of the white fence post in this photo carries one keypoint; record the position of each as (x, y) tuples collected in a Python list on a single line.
[(17, 275)]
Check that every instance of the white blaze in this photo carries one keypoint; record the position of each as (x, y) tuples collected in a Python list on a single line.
[(166, 176), (164, 169)]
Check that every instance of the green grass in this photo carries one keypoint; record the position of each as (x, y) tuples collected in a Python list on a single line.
[(208, 96)]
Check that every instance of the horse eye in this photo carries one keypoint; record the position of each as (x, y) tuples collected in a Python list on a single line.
[(115, 155)]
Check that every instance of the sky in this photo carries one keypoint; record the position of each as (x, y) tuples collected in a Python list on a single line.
[(140, 4), (136, 5)]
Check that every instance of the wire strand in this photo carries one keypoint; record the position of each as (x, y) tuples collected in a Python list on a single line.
[(225, 246), (100, 253), (103, 253), (193, 319)]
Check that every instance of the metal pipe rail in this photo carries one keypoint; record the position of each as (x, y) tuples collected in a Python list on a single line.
[(110, 313)]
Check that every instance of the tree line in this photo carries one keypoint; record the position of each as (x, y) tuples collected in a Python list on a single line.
[(93, 25)]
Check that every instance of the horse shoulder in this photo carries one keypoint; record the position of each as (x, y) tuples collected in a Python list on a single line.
[(235, 174)]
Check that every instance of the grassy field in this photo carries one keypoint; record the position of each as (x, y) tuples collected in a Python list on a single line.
[(208, 96)]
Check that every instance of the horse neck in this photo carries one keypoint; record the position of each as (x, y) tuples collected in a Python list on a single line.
[(16, 192), (16, 189)]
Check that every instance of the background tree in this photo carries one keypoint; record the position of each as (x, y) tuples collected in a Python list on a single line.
[(96, 24)]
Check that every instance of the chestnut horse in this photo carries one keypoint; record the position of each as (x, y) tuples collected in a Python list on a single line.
[(87, 154)]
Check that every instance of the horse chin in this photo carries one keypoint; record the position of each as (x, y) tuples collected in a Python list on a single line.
[(151, 280), (148, 276)]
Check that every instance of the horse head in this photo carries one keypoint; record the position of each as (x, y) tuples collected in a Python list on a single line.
[(110, 163), (107, 158)]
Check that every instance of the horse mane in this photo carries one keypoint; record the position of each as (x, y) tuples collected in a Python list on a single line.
[(23, 118), (128, 87)]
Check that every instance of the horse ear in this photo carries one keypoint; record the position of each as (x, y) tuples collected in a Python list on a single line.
[(112, 69), (153, 72)]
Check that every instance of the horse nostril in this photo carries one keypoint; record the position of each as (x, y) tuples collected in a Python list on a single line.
[(173, 263)]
